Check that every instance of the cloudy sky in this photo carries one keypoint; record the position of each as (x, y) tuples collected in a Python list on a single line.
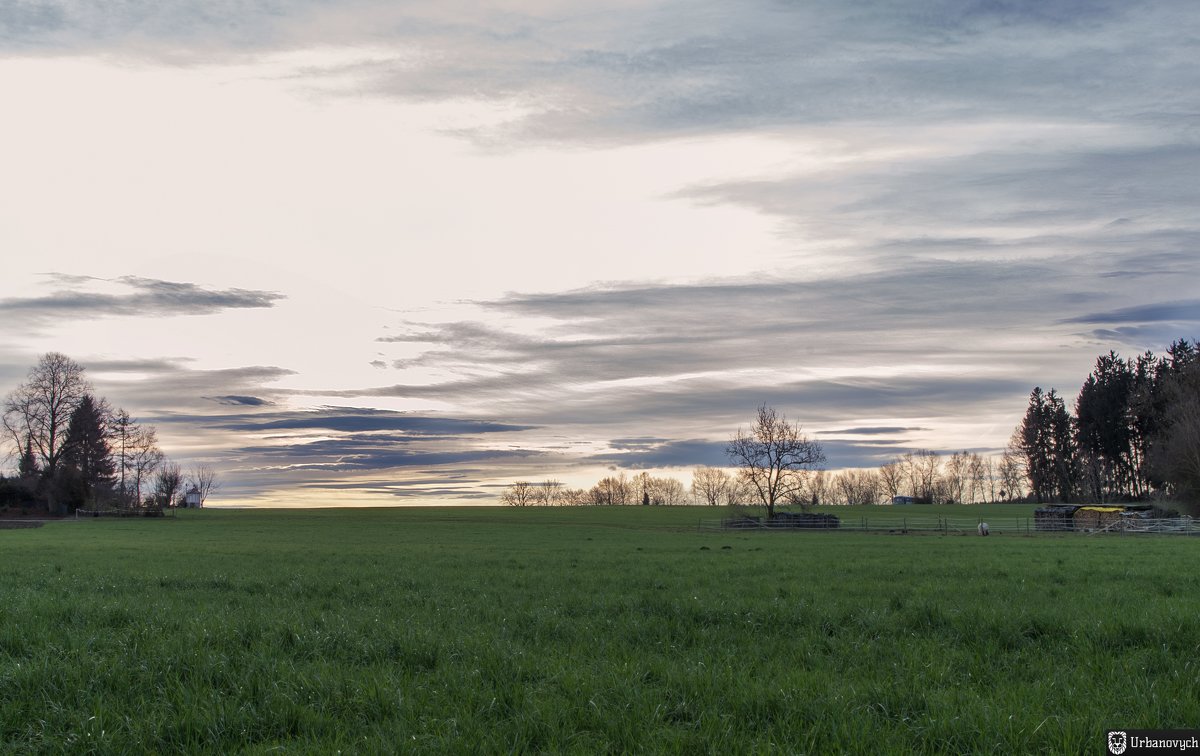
[(387, 252)]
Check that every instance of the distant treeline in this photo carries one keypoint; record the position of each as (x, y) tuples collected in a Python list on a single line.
[(1134, 434), (924, 476)]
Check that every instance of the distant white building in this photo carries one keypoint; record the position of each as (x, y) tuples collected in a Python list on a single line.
[(192, 499)]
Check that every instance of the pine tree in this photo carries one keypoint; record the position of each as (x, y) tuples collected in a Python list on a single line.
[(1033, 441), (86, 448), (1064, 458), (27, 467), (1103, 411)]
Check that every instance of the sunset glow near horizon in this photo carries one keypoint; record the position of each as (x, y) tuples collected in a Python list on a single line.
[(398, 253)]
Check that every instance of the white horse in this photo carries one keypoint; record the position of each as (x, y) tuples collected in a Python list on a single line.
[(983, 528)]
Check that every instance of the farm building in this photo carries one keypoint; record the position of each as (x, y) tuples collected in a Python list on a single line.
[(192, 499)]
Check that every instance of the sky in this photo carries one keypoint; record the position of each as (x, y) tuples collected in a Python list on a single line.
[(368, 252)]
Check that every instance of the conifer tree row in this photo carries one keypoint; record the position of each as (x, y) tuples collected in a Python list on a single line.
[(1128, 436)]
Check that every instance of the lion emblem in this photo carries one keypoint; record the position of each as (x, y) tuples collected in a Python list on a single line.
[(1116, 743)]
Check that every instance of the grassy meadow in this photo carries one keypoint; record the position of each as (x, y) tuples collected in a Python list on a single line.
[(585, 630)]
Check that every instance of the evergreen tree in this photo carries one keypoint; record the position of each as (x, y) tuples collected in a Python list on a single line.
[(27, 467), (86, 450), (1033, 441), (1103, 416), (1063, 458), (1174, 449)]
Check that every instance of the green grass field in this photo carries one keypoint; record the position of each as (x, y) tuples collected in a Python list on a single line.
[(583, 630)]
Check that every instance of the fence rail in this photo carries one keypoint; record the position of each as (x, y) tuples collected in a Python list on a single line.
[(120, 512), (958, 525)]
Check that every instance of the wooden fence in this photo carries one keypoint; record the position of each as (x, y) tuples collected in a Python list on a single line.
[(956, 525)]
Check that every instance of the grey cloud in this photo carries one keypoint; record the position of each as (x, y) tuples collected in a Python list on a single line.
[(690, 342), (861, 454), (814, 402), (242, 401), (875, 430), (875, 453), (146, 297), (147, 365), (693, 452), (1138, 336), (1033, 188), (1051, 13), (221, 27), (1180, 311), (692, 66), (684, 453), (170, 387), (637, 443), (335, 447), (360, 420), (358, 454), (388, 485)]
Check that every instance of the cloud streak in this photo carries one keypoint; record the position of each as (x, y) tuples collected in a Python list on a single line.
[(143, 297)]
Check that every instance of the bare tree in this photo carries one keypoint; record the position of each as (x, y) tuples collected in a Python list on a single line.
[(548, 492), (37, 412), (738, 492), (122, 429), (136, 453), (709, 485), (979, 474), (816, 490), (168, 483), (857, 487), (142, 457), (1012, 473), (519, 494), (575, 497), (774, 457), (204, 480), (891, 478), (955, 477), (641, 487), (924, 469), (992, 478), (611, 490), (667, 492)]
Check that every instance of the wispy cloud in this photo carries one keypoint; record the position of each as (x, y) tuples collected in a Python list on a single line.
[(172, 386), (360, 420), (688, 348), (335, 447), (240, 401), (1180, 312), (145, 297)]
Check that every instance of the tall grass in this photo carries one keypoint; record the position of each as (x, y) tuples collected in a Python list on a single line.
[(590, 630)]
